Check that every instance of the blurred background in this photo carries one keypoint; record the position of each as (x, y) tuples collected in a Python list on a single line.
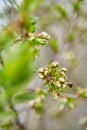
[(66, 22)]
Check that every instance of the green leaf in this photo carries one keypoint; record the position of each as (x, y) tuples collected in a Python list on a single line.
[(71, 102), (54, 45), (84, 94), (33, 25), (39, 108), (70, 37), (29, 6), (23, 97), (6, 115), (77, 6), (6, 38), (32, 28), (62, 12), (19, 66), (39, 41)]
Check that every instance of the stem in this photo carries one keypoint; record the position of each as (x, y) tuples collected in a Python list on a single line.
[(69, 95), (21, 126), (1, 60), (74, 96)]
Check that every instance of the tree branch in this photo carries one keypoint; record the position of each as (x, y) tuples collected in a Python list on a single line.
[(17, 121)]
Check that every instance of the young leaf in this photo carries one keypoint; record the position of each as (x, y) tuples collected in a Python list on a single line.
[(23, 97), (28, 5), (77, 6), (6, 38), (19, 66), (54, 45), (62, 12)]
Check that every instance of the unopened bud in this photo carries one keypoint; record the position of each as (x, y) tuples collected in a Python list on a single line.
[(31, 103), (63, 69), (41, 70), (69, 84), (64, 100), (31, 37), (44, 35), (45, 72), (54, 64), (41, 76), (62, 80), (64, 85), (55, 94), (37, 100), (58, 84), (62, 74)]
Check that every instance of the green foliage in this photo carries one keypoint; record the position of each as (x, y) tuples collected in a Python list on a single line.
[(77, 6), (71, 102), (6, 38), (29, 5), (23, 96), (33, 25), (26, 10), (67, 101), (14, 68), (61, 11), (82, 93), (70, 37), (54, 45), (38, 103), (20, 44)]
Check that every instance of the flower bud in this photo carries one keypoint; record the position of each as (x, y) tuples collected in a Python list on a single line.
[(62, 74), (45, 72), (41, 70), (31, 37), (62, 80), (31, 103), (44, 35), (63, 69), (64, 85), (37, 100), (64, 100), (69, 84), (41, 76), (54, 64), (55, 94), (58, 84)]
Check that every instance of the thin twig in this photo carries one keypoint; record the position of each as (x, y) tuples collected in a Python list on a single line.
[(74, 96), (21, 126)]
